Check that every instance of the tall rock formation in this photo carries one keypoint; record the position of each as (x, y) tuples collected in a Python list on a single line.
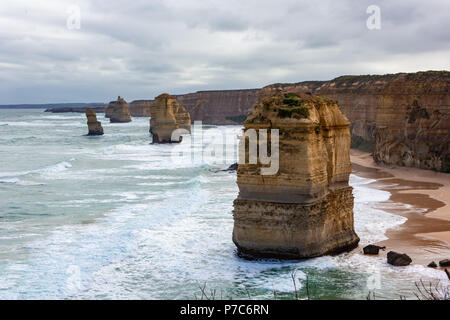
[(167, 115), (117, 111), (94, 126), (403, 118), (306, 209)]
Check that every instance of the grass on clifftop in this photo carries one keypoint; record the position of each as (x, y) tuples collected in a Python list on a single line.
[(292, 99)]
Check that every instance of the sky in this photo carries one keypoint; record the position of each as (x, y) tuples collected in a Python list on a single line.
[(92, 51)]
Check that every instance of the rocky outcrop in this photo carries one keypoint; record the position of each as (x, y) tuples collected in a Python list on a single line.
[(372, 249), (444, 263), (94, 126), (117, 111), (403, 118), (167, 115), (306, 208), (398, 259)]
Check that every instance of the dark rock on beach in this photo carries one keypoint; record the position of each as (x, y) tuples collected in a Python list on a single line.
[(432, 264), (444, 263), (232, 168), (372, 249), (398, 259)]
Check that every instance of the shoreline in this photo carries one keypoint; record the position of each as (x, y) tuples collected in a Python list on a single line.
[(421, 196)]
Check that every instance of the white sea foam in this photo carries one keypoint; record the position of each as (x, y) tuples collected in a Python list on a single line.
[(49, 171), (21, 182), (46, 171)]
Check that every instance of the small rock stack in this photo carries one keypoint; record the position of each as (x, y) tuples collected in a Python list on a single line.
[(94, 126), (118, 112), (168, 115)]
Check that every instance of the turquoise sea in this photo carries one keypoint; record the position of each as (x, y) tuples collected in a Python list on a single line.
[(114, 217)]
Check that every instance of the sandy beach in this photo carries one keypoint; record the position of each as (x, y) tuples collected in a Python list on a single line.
[(422, 196)]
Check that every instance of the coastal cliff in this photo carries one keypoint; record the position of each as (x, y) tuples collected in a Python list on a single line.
[(219, 106), (306, 208), (168, 115), (117, 111), (403, 118), (140, 108)]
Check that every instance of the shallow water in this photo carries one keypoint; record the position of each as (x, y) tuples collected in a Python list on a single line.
[(116, 217)]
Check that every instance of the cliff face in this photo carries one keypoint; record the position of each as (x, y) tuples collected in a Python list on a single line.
[(219, 107), (140, 108), (404, 118), (94, 126), (117, 111), (167, 115), (306, 208)]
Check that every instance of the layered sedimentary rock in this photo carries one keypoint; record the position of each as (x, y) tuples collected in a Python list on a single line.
[(219, 106), (306, 208), (117, 111), (403, 118), (168, 115), (94, 126), (140, 108)]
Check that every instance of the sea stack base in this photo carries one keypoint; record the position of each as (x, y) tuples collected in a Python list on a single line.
[(295, 230)]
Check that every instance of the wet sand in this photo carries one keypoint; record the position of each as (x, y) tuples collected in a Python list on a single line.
[(422, 196)]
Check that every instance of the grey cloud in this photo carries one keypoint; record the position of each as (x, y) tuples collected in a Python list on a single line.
[(139, 49)]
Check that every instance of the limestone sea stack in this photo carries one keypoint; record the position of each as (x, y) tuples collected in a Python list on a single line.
[(94, 126), (167, 115), (305, 209), (117, 111)]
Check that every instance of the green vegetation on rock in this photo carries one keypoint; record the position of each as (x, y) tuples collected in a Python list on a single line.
[(292, 99), (301, 112)]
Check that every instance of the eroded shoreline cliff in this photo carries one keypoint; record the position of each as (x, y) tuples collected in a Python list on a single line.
[(403, 118)]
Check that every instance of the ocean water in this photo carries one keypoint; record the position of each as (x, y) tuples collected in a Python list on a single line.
[(117, 217)]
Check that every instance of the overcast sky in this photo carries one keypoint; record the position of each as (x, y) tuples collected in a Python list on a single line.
[(139, 49)]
